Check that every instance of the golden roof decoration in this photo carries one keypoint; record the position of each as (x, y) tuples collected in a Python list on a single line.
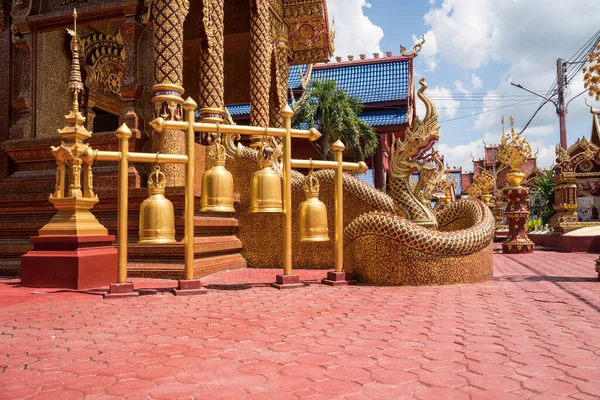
[(513, 149)]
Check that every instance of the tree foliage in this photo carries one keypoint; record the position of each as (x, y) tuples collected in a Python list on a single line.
[(541, 198), (591, 75), (330, 109)]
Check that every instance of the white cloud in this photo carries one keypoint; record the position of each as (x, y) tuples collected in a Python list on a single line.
[(460, 87), (429, 50), (476, 81), (354, 31), (444, 101), (518, 41), (460, 155)]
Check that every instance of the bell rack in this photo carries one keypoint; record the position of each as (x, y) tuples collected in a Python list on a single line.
[(287, 279)]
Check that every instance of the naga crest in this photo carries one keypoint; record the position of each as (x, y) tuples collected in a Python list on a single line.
[(413, 152)]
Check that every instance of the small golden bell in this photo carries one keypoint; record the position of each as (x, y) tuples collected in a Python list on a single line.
[(157, 218), (312, 213), (265, 187), (217, 185)]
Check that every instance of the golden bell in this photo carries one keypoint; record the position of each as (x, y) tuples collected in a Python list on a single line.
[(265, 189), (217, 185), (312, 214), (157, 219)]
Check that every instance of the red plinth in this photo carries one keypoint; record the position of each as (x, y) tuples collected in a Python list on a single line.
[(189, 287), (287, 282), (517, 214), (120, 290), (338, 279), (72, 262)]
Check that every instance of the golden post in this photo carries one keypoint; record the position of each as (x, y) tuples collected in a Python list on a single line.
[(338, 149), (123, 133), (189, 106), (287, 114)]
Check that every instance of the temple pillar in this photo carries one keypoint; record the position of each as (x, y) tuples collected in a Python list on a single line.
[(281, 64), (131, 90), (212, 91), (22, 126), (5, 106), (261, 47), (517, 214), (167, 19), (565, 201)]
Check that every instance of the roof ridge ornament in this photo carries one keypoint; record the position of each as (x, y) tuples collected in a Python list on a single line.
[(415, 50)]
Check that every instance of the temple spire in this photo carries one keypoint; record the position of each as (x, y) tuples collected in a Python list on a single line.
[(75, 84)]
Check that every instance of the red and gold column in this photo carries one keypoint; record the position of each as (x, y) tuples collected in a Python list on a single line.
[(517, 214), (167, 19), (565, 194), (211, 65), (261, 47)]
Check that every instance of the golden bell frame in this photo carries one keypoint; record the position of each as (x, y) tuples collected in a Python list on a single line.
[(312, 213), (189, 126)]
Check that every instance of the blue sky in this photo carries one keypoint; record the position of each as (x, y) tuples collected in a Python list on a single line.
[(474, 49)]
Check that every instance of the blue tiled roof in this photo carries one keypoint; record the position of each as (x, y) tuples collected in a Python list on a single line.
[(388, 117), (371, 83), (395, 116)]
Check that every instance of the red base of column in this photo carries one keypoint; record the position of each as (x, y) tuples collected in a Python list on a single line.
[(68, 261), (120, 290), (287, 282), (189, 287), (338, 279), (517, 248)]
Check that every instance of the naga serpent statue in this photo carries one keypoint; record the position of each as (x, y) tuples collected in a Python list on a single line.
[(420, 247), (394, 239)]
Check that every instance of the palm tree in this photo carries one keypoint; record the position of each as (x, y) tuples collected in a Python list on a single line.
[(335, 113), (542, 196)]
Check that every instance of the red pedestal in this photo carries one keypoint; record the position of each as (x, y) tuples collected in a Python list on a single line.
[(120, 290), (72, 262), (189, 287), (338, 279), (517, 214), (287, 282)]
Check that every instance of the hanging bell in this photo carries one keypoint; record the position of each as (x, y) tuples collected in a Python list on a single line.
[(312, 213), (157, 219), (217, 184), (265, 188)]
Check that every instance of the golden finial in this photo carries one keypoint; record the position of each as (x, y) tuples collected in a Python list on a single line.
[(514, 149), (503, 124), (75, 84), (512, 123)]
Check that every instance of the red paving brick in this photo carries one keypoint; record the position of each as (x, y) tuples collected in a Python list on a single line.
[(532, 332)]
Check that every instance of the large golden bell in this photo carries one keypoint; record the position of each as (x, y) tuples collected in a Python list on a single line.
[(312, 214), (265, 189), (217, 189), (157, 219)]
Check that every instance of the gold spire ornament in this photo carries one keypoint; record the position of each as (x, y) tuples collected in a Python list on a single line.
[(157, 217), (513, 151), (217, 182), (312, 213), (74, 216)]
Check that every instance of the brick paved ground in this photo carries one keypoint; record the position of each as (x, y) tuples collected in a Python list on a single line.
[(534, 331)]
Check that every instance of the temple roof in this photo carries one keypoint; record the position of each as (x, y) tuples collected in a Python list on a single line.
[(371, 82)]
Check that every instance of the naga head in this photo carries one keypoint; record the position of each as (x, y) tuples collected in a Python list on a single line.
[(416, 149)]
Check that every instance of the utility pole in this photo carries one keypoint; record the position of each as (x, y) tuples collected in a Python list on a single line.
[(561, 109)]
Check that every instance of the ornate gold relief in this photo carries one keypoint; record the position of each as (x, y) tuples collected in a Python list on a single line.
[(309, 36), (104, 60)]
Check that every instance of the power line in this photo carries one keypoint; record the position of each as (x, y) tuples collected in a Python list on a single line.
[(483, 112)]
